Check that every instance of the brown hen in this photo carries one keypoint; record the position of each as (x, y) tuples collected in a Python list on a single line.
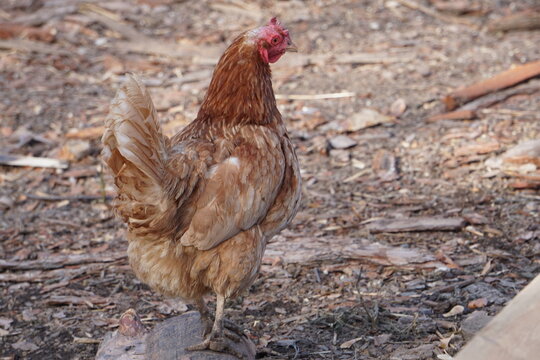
[(201, 206)]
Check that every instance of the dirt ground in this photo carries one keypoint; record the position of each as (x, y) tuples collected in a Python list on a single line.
[(334, 285)]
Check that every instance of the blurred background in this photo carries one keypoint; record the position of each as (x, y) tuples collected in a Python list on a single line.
[(420, 212)]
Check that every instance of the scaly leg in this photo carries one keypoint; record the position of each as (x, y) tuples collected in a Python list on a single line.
[(218, 340), (205, 316)]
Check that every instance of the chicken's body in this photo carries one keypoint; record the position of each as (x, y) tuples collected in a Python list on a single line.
[(201, 206)]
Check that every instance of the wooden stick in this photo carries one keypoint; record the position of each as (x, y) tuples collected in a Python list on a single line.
[(315, 96), (41, 162), (500, 81)]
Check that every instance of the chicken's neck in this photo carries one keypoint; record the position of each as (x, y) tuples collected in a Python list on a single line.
[(241, 89)]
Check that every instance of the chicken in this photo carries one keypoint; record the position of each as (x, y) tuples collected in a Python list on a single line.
[(201, 206)]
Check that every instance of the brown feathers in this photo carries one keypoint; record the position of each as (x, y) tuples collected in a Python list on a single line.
[(201, 206)]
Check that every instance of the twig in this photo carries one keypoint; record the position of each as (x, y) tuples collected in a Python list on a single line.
[(41, 162), (68, 197), (315, 96)]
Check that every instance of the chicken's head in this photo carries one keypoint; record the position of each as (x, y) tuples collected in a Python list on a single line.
[(273, 41)]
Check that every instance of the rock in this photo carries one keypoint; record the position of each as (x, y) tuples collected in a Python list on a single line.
[(167, 341), (473, 323), (398, 107), (342, 142), (365, 118)]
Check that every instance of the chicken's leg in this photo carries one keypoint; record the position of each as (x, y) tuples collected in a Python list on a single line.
[(218, 339), (205, 316)]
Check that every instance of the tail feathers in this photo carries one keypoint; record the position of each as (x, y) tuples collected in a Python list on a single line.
[(135, 149), (133, 133)]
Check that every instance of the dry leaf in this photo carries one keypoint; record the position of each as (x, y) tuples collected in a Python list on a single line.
[(445, 341), (477, 304), (348, 344), (487, 268), (456, 310)]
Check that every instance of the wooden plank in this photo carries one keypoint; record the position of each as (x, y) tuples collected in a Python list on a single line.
[(513, 333)]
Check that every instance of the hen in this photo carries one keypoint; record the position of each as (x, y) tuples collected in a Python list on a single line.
[(201, 206)]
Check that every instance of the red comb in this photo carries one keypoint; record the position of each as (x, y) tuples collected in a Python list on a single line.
[(274, 21)]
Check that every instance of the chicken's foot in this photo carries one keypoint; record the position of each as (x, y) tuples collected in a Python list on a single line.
[(205, 316), (220, 339)]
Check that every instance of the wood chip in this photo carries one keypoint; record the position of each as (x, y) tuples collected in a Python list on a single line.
[(485, 148), (453, 115), (416, 224)]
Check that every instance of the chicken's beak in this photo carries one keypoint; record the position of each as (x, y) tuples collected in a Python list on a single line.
[(291, 47)]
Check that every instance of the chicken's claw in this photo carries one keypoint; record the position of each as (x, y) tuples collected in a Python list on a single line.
[(222, 343)]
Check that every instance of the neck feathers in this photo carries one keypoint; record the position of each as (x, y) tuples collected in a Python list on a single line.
[(241, 88)]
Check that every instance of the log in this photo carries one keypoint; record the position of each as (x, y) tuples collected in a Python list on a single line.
[(513, 333), (166, 341), (498, 82)]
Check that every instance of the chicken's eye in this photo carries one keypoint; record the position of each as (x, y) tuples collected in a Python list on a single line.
[(275, 40)]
